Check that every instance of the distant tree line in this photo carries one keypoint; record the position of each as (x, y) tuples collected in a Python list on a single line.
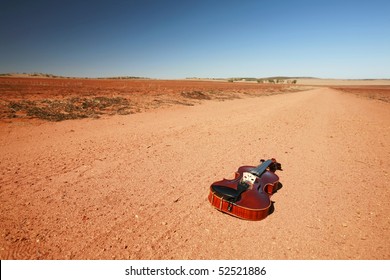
[(264, 80)]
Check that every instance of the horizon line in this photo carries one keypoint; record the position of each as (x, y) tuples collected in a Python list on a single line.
[(235, 78)]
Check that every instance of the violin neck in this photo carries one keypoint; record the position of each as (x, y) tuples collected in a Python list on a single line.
[(259, 170)]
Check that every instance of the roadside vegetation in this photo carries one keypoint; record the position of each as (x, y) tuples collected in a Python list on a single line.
[(68, 109)]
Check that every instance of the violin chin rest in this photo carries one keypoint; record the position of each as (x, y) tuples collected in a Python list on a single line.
[(225, 192)]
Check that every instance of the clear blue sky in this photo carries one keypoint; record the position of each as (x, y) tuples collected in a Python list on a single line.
[(178, 39)]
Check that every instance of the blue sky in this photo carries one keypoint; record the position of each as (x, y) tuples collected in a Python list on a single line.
[(179, 39)]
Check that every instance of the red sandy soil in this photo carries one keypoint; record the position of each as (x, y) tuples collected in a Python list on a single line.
[(135, 186), (380, 92), (59, 99)]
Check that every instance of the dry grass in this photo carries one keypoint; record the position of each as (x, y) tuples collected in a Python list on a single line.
[(381, 93), (67, 109), (53, 99)]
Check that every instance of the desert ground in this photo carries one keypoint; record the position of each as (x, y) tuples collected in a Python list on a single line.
[(119, 169)]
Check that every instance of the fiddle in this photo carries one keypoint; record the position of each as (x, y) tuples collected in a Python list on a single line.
[(248, 195)]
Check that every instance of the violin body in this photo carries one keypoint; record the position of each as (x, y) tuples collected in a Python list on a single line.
[(248, 195)]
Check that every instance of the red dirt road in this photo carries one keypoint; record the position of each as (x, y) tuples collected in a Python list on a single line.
[(136, 186)]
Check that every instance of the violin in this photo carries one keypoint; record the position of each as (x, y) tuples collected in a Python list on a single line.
[(248, 195)]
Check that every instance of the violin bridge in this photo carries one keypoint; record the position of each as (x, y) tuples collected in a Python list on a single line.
[(248, 178)]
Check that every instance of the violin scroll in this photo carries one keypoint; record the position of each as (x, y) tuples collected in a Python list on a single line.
[(274, 165)]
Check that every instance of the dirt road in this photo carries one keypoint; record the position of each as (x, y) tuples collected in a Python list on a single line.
[(136, 186)]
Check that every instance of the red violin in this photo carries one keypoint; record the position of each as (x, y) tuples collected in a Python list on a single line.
[(248, 195)]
